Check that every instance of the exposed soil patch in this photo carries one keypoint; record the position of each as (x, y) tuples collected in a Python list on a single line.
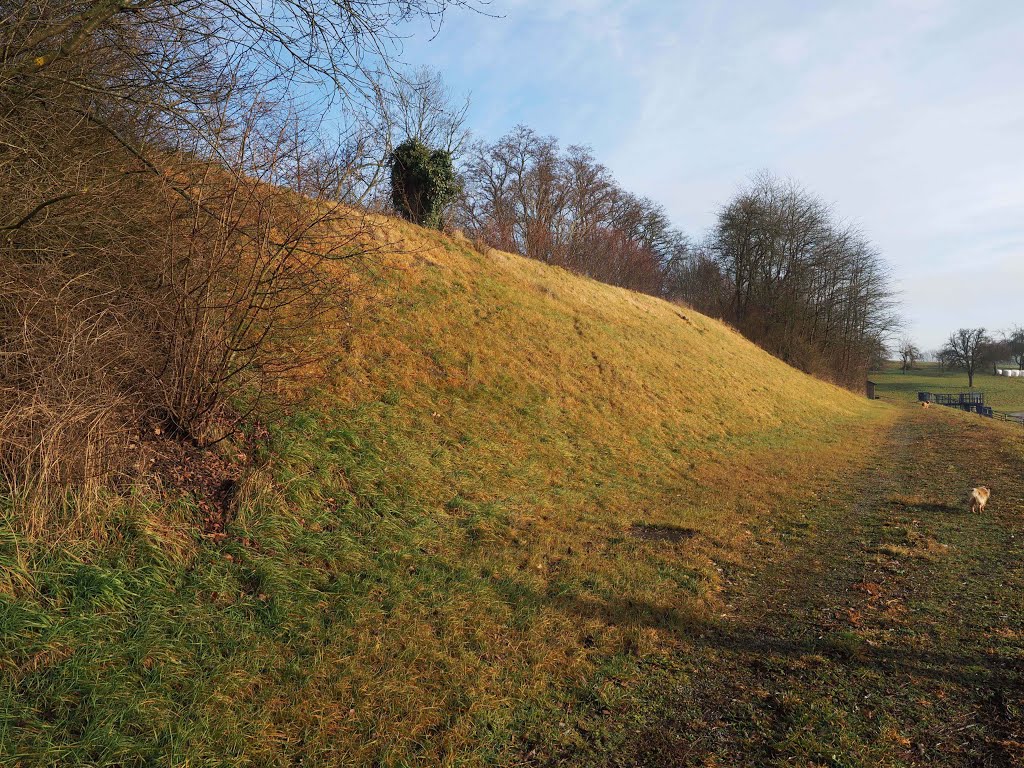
[(209, 477), (671, 533)]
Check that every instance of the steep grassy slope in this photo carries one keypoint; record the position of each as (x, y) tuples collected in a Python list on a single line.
[(518, 485)]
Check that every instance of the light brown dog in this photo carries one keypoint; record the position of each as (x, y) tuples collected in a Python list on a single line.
[(979, 498), (926, 404)]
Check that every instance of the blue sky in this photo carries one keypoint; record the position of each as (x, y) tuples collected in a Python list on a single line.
[(907, 115)]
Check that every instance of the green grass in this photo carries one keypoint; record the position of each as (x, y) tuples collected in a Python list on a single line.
[(435, 561), (1001, 392)]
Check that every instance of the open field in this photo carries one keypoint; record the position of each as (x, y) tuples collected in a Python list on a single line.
[(1001, 392), (540, 520)]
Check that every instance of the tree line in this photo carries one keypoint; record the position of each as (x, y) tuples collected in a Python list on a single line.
[(524, 193), (779, 264), (789, 274)]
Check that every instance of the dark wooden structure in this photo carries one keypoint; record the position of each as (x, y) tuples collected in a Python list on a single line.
[(1016, 418), (871, 390), (972, 402)]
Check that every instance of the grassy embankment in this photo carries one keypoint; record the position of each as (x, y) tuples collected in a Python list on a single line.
[(520, 489)]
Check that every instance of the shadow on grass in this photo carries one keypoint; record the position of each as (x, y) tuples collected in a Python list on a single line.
[(670, 533), (816, 662), (978, 669), (933, 506)]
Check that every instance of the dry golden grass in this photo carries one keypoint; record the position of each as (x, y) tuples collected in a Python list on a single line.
[(560, 381), (516, 477), (538, 417)]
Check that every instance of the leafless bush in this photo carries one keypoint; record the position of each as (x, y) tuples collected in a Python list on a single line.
[(169, 222), (230, 297), (246, 298)]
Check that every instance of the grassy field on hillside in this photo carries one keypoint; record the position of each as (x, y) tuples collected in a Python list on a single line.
[(1001, 392), (521, 485)]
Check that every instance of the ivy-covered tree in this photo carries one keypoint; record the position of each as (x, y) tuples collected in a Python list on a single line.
[(423, 182)]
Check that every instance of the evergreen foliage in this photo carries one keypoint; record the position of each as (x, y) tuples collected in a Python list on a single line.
[(423, 183)]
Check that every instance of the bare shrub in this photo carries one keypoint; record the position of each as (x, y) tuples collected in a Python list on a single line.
[(246, 299), (189, 333), (168, 223)]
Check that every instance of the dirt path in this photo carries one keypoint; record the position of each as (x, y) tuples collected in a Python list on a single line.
[(886, 629)]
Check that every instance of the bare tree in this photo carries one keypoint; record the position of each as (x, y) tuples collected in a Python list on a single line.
[(909, 353), (419, 105), (965, 350), (1015, 342), (810, 289), (996, 350), (524, 193), (695, 277)]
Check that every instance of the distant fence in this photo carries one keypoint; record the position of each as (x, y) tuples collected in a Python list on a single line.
[(1016, 418), (972, 402), (967, 401)]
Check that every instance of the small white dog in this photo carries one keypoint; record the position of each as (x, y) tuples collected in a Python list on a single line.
[(979, 498)]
